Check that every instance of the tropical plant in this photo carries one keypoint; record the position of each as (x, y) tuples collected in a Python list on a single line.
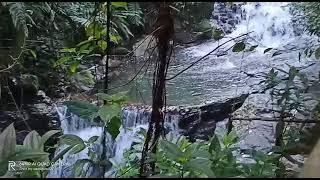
[(109, 114), (177, 157), (32, 150), (72, 144)]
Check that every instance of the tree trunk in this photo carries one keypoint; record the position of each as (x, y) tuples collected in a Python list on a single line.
[(164, 24)]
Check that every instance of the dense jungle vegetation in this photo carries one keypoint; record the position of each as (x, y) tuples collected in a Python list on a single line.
[(71, 53)]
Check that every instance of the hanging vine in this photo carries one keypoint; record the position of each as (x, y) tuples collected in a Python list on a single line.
[(165, 24)]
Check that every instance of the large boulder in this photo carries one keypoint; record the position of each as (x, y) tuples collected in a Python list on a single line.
[(200, 121)]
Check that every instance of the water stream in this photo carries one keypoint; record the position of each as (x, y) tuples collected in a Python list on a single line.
[(213, 79)]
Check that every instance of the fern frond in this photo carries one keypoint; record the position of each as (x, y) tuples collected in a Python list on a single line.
[(20, 16)]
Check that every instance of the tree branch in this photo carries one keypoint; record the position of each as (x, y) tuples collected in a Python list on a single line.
[(192, 64)]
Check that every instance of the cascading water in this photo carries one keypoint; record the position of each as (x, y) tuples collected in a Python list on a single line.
[(213, 79), (133, 120)]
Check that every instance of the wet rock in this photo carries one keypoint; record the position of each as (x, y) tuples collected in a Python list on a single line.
[(40, 116), (200, 122), (184, 37), (232, 22), (112, 63), (196, 122), (113, 74)]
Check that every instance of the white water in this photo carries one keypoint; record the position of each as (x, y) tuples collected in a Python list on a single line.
[(133, 120), (271, 23)]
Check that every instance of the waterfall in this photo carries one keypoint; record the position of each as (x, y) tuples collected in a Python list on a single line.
[(271, 23), (133, 120), (72, 124)]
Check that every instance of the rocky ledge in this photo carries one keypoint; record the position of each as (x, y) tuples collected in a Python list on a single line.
[(196, 122)]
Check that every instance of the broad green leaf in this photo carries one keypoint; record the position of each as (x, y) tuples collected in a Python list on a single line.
[(266, 50), (7, 142), (32, 140), (230, 138), (77, 148), (61, 154), (107, 112), (78, 167), (62, 60), (201, 154), (317, 53), (217, 34), (115, 38), (73, 67), (200, 164), (214, 145), (103, 45), (46, 136), (238, 47), (30, 154), (113, 126), (70, 139), (119, 97), (170, 149), (93, 139), (83, 109)]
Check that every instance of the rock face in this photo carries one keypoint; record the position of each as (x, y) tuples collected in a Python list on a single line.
[(196, 122), (200, 122), (226, 15), (40, 116)]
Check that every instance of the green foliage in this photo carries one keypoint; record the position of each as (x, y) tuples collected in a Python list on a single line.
[(217, 34), (117, 98), (123, 15), (238, 47), (108, 113), (310, 12), (31, 150), (21, 16), (177, 157), (72, 145), (83, 109), (288, 97), (191, 13)]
